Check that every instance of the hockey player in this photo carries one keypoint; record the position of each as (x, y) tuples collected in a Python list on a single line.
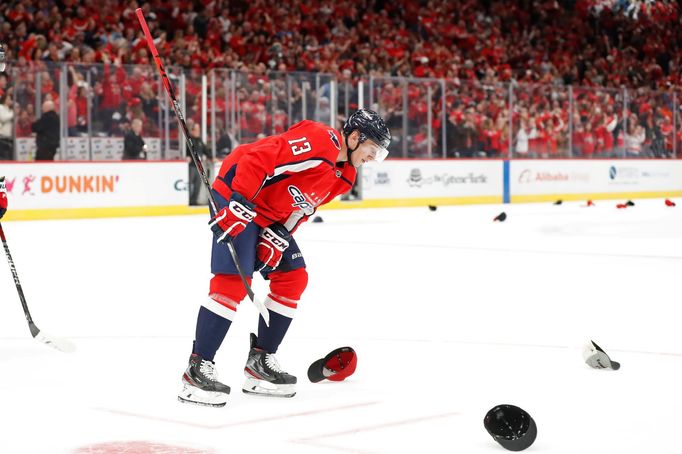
[(264, 191), (3, 197)]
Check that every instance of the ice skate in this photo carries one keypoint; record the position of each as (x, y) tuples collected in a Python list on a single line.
[(200, 384), (264, 376)]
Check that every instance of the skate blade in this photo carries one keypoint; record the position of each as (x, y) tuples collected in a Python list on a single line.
[(193, 395), (264, 388)]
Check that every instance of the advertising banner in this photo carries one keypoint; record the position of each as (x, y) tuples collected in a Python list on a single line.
[(397, 179), (539, 177), (95, 185)]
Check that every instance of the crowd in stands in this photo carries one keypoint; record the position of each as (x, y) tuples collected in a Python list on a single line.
[(599, 48)]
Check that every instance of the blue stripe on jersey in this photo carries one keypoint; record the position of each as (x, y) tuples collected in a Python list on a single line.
[(276, 179), (347, 181), (229, 176)]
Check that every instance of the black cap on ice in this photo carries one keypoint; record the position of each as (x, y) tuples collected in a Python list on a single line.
[(511, 427), (500, 217)]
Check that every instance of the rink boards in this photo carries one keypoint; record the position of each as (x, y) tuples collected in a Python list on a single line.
[(63, 190)]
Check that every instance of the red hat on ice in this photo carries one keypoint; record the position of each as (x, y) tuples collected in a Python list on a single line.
[(336, 366)]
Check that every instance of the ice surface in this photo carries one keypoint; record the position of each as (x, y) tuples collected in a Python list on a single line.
[(449, 312)]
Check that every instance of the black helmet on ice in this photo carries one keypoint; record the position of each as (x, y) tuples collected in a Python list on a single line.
[(371, 126)]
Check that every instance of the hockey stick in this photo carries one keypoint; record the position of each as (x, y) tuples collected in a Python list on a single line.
[(62, 345), (195, 157)]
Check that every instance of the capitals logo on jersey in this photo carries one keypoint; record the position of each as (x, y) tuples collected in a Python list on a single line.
[(334, 139), (300, 201)]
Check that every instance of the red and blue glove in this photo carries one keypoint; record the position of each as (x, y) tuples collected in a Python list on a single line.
[(273, 241), (3, 197), (233, 219)]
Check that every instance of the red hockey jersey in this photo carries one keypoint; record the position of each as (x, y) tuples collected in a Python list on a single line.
[(287, 176)]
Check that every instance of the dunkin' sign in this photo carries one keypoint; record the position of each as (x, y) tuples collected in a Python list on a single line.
[(31, 184), (91, 185), (78, 183)]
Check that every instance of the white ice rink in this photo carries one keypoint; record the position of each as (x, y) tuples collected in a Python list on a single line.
[(449, 312)]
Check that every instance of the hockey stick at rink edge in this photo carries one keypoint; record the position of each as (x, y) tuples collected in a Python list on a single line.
[(62, 345), (195, 157)]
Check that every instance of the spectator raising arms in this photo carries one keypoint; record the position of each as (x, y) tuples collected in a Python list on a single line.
[(624, 42), (473, 45)]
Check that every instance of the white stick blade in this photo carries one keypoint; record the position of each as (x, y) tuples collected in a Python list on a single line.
[(62, 345), (262, 309)]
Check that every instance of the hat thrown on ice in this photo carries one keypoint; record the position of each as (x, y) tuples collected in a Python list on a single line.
[(597, 358), (512, 427), (336, 366)]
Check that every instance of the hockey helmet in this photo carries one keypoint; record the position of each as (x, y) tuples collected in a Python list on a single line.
[(371, 126), (511, 427)]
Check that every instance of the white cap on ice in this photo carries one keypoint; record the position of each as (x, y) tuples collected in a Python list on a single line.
[(597, 358)]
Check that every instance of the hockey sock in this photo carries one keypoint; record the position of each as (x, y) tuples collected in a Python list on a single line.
[(269, 337), (211, 330), (285, 291)]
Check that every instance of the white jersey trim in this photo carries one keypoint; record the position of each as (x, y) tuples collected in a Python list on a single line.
[(298, 166)]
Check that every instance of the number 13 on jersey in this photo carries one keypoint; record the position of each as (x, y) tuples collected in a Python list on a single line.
[(297, 149)]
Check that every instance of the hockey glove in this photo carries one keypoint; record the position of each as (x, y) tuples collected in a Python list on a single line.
[(273, 241), (232, 220), (3, 197)]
